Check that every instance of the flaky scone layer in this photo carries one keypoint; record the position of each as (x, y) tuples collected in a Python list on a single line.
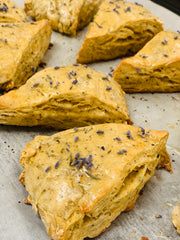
[(22, 48), (119, 29), (65, 97), (66, 16), (81, 179), (10, 12), (155, 68)]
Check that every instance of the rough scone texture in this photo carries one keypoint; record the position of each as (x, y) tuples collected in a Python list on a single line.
[(175, 216), (66, 16), (81, 179), (119, 29), (155, 68), (22, 48), (65, 97), (10, 12)]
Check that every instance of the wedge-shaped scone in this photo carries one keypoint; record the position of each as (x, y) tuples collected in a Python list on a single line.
[(155, 68), (80, 180), (119, 29), (10, 12), (66, 16), (22, 48), (175, 216), (65, 97)]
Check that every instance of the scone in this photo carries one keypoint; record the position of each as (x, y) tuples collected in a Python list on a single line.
[(81, 179), (175, 216), (22, 48), (65, 97), (10, 12), (155, 68), (119, 29), (66, 16)]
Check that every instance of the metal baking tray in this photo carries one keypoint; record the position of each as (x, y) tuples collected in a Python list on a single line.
[(173, 5), (155, 111)]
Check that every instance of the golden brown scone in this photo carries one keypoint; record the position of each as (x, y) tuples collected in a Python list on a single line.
[(65, 97), (10, 12), (66, 16), (119, 29), (155, 68), (81, 179), (175, 216), (22, 48)]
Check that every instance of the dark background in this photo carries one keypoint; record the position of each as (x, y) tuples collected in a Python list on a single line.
[(173, 5)]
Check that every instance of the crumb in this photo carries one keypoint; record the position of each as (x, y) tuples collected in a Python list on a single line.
[(144, 238), (42, 65), (158, 216), (50, 45), (26, 201), (141, 192)]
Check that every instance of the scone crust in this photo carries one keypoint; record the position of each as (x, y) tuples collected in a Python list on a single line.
[(23, 47), (10, 12), (77, 201), (155, 68), (66, 16), (118, 29), (64, 97)]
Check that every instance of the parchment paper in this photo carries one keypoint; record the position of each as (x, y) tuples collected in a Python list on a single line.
[(155, 111)]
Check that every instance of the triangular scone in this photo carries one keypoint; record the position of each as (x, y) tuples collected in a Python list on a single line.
[(119, 29), (155, 68), (65, 97), (10, 12), (80, 180), (175, 216), (22, 48), (66, 16)]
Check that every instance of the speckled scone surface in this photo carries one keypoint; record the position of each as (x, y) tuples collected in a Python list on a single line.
[(81, 179), (119, 29), (64, 97), (155, 68), (10, 12), (66, 16), (22, 48)]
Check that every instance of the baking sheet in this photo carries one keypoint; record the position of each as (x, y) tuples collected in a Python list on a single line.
[(155, 111)]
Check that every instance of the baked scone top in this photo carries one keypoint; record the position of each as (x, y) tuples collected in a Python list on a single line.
[(77, 80), (64, 96), (115, 15), (73, 172), (66, 16), (119, 29), (155, 68), (162, 49), (10, 12), (15, 40), (114, 150)]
